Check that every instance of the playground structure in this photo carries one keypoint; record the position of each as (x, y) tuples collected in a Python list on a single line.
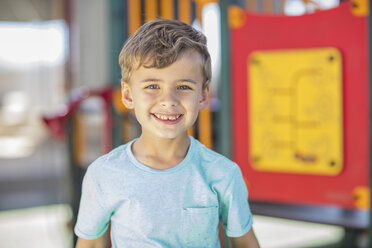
[(300, 107), (295, 95)]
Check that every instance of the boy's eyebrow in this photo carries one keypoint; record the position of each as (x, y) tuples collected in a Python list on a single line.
[(147, 80), (187, 80)]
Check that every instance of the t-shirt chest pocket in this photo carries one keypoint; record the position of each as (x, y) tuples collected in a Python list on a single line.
[(200, 226)]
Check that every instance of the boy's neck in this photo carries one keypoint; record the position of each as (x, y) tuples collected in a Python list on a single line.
[(160, 153)]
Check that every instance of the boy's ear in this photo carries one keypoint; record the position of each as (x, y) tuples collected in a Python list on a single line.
[(126, 95), (203, 103)]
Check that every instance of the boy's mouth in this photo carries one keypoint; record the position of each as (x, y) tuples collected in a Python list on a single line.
[(167, 117)]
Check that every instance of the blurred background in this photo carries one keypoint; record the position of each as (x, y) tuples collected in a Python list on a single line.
[(60, 109)]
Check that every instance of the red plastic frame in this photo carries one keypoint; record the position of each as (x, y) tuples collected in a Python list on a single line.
[(331, 28)]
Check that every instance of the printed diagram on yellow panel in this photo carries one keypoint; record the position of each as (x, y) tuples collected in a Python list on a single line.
[(295, 111)]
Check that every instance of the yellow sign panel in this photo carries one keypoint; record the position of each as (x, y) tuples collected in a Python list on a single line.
[(295, 106)]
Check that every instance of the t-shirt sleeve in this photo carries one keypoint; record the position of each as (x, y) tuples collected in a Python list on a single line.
[(235, 213), (94, 216)]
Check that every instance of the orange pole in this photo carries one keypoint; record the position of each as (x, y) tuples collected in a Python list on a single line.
[(134, 12), (199, 10), (150, 10), (205, 116), (166, 9), (205, 127), (79, 139), (184, 11), (191, 131)]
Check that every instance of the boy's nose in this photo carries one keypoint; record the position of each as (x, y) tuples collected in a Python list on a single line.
[(169, 99)]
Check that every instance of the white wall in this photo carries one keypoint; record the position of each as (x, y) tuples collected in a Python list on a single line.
[(93, 37)]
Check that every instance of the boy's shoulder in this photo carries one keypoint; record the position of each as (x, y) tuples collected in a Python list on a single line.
[(213, 160), (114, 159)]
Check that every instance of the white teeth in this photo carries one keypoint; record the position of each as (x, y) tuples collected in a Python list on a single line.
[(167, 117)]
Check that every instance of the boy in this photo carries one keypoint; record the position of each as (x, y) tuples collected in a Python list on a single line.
[(164, 189)]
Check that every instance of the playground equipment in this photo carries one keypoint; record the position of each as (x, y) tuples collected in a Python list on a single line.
[(301, 120), (300, 105)]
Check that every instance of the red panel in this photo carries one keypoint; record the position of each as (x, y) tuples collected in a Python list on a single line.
[(331, 28)]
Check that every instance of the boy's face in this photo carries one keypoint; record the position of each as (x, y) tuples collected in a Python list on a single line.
[(167, 101)]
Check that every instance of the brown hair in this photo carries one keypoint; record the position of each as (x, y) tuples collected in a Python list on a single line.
[(159, 43)]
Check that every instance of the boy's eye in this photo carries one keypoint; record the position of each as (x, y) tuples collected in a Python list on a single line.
[(152, 86), (184, 87)]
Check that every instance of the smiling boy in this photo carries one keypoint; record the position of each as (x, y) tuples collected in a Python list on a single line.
[(164, 189)]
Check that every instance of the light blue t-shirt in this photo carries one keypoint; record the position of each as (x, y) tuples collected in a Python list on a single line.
[(177, 207)]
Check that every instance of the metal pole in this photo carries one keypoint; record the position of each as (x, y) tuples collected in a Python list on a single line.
[(118, 33), (277, 6), (259, 5), (370, 123), (224, 115)]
